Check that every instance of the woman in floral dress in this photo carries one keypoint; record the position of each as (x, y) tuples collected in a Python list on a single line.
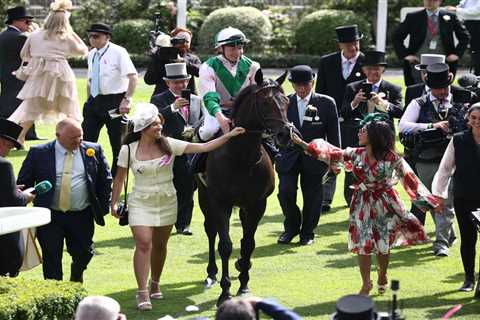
[(378, 219)]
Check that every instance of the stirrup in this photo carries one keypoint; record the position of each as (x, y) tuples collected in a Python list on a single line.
[(144, 305), (155, 295)]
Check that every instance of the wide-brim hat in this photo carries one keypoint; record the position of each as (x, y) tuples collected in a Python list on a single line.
[(11, 131), (17, 13), (100, 28), (301, 74), (438, 76), (428, 59), (176, 71), (374, 58), (354, 307), (347, 34)]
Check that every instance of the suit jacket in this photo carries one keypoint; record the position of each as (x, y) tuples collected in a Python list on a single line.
[(393, 94), (39, 165), (11, 43), (326, 127), (330, 79), (418, 90), (174, 121), (9, 196), (415, 25)]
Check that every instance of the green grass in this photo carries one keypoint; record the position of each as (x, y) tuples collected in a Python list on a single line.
[(307, 279)]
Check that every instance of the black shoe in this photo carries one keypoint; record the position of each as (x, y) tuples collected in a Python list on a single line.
[(306, 241), (467, 286), (286, 237), (185, 231), (326, 208)]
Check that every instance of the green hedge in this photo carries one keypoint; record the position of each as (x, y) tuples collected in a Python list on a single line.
[(316, 34), (23, 299), (251, 21), (133, 35)]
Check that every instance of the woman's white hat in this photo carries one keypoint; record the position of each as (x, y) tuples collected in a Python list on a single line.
[(145, 114)]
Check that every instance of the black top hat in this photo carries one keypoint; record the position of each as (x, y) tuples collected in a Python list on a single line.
[(301, 74), (10, 131), (100, 28), (17, 13), (355, 307), (348, 33), (374, 58), (438, 76)]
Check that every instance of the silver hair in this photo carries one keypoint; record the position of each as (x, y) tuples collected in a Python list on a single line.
[(97, 308)]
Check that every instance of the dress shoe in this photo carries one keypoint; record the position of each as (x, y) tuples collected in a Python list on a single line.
[(286, 237), (326, 208), (443, 252), (185, 231), (306, 242), (467, 286)]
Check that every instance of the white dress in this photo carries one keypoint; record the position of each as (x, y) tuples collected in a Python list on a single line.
[(153, 200)]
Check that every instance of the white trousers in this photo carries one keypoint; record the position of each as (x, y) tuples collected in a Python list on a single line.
[(209, 127)]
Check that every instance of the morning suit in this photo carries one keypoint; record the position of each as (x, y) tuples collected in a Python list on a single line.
[(419, 89), (415, 25), (293, 162), (75, 226), (392, 93), (175, 123), (330, 81), (11, 244)]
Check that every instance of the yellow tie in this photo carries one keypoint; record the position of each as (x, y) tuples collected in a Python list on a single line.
[(66, 186)]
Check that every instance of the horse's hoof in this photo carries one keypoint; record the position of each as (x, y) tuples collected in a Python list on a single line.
[(223, 298), (243, 292), (209, 282)]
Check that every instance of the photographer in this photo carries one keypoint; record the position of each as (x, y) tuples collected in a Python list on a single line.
[(421, 116), (180, 40), (461, 161), (373, 94)]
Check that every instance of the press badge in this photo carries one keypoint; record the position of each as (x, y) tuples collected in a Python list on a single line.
[(433, 45)]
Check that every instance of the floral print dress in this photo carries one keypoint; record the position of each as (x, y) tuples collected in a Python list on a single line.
[(378, 219)]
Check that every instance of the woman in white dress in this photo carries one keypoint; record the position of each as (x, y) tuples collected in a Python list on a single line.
[(152, 203)]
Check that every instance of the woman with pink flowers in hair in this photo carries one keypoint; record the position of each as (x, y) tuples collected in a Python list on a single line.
[(378, 219), (50, 90)]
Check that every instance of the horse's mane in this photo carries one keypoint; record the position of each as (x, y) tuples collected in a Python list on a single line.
[(243, 94)]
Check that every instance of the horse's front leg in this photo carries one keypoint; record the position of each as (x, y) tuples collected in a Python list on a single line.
[(250, 219), (225, 251), (212, 269)]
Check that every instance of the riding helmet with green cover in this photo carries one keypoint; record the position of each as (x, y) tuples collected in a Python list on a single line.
[(230, 36)]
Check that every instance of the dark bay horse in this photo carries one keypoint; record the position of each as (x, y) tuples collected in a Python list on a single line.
[(240, 173)]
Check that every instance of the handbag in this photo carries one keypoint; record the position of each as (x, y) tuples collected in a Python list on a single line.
[(122, 210)]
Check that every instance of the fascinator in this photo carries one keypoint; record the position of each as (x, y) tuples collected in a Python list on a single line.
[(61, 5), (374, 117), (145, 114)]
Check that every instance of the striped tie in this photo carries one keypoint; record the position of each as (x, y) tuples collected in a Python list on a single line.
[(66, 186)]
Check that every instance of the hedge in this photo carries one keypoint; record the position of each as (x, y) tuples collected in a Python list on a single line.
[(24, 299), (133, 35), (315, 33), (255, 25)]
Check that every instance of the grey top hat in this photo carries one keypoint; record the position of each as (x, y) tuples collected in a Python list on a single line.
[(176, 71), (428, 59)]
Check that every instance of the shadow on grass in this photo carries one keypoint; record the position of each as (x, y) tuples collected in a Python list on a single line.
[(122, 243), (177, 297)]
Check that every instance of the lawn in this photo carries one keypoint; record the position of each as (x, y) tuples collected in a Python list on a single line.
[(308, 279)]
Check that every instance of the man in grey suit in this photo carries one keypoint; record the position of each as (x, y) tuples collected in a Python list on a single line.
[(182, 113), (11, 43)]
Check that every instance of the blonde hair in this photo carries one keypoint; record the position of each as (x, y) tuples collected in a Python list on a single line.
[(57, 23)]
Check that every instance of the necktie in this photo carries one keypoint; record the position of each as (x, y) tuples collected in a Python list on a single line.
[(346, 69), (432, 25), (185, 113), (375, 88), (302, 106), (95, 81), (66, 186)]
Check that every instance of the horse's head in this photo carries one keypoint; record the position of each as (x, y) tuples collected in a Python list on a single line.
[(263, 108)]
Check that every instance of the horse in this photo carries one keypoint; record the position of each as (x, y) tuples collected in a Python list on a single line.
[(240, 173)]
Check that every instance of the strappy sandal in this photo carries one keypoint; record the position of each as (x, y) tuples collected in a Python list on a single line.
[(382, 287), (143, 305), (155, 295)]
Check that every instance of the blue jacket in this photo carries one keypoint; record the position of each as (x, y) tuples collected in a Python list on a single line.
[(39, 165)]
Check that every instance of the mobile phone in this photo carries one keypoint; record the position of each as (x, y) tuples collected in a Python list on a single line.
[(367, 90), (186, 94)]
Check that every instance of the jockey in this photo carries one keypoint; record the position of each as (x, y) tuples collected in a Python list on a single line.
[(222, 77)]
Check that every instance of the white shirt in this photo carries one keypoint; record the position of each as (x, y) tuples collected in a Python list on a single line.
[(302, 106), (79, 192), (352, 62), (469, 10), (408, 122), (444, 173), (115, 66)]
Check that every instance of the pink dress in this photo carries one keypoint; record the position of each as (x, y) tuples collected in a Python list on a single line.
[(378, 219), (50, 90)]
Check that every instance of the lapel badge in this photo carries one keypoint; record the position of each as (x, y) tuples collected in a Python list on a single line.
[(358, 74)]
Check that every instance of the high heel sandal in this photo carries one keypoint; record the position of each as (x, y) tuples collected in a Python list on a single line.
[(382, 287), (365, 291), (158, 295), (143, 305)]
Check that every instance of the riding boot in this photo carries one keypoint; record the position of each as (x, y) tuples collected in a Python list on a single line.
[(271, 148)]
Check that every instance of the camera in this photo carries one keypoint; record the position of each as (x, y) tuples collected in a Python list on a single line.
[(471, 83), (178, 41), (153, 34), (367, 90)]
